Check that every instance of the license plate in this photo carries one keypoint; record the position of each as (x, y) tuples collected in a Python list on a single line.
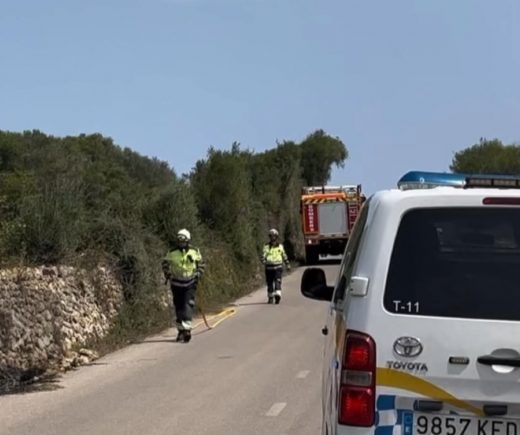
[(429, 424)]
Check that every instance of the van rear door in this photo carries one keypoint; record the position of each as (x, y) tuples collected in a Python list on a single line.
[(449, 360)]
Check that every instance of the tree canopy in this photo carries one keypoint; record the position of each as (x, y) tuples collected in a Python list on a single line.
[(488, 157)]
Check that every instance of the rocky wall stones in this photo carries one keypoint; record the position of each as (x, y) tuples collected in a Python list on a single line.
[(47, 314)]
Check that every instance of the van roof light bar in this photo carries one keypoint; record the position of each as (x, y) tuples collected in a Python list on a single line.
[(429, 180)]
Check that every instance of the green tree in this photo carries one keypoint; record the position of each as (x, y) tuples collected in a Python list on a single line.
[(222, 184), (172, 208), (319, 152), (486, 157), (277, 182)]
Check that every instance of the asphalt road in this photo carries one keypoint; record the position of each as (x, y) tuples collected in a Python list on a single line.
[(257, 372)]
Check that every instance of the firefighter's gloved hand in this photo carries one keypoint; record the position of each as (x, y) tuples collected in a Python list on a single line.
[(288, 266)]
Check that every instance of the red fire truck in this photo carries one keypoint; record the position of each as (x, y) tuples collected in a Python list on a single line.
[(328, 215)]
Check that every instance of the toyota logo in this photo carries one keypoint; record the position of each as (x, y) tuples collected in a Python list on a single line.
[(408, 347)]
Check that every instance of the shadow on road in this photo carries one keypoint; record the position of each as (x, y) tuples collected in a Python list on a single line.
[(27, 381)]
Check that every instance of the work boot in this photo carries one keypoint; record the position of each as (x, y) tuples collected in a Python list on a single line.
[(180, 337), (270, 300), (187, 336), (277, 299)]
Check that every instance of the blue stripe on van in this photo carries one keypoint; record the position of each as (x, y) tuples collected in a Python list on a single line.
[(389, 419), (385, 403)]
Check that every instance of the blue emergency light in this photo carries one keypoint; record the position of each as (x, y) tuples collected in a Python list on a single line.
[(429, 180)]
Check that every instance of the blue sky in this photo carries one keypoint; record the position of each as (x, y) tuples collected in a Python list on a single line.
[(404, 83)]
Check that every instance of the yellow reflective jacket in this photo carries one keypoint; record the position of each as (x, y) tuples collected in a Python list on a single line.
[(183, 266), (274, 256)]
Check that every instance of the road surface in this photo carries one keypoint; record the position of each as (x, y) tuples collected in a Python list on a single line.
[(257, 372)]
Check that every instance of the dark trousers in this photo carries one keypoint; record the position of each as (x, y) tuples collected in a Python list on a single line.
[(273, 278), (184, 303)]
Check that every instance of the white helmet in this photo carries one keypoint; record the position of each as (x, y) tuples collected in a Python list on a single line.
[(273, 232), (184, 234)]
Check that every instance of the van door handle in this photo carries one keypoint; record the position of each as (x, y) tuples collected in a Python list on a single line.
[(325, 330), (491, 360)]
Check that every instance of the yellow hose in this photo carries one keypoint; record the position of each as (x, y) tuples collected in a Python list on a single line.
[(223, 315)]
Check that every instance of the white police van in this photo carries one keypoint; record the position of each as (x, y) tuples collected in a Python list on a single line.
[(423, 330)]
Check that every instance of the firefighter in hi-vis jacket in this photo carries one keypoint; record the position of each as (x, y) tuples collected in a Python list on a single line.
[(274, 258), (183, 267)]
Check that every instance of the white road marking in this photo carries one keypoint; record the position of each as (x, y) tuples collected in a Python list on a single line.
[(303, 374), (276, 409)]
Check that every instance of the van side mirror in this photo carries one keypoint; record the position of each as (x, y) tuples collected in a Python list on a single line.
[(314, 285)]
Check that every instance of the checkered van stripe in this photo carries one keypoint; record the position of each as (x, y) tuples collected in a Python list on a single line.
[(390, 415)]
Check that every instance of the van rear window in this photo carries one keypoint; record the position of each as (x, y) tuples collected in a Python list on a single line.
[(456, 262)]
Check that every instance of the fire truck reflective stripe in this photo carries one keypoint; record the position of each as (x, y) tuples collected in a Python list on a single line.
[(324, 200)]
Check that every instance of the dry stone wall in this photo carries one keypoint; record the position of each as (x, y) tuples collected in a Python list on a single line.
[(47, 314)]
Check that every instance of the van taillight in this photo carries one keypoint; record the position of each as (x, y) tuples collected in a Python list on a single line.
[(358, 377)]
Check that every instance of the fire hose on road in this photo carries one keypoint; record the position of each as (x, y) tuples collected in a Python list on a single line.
[(221, 316)]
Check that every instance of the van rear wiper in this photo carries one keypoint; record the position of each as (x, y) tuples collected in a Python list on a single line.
[(492, 360)]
